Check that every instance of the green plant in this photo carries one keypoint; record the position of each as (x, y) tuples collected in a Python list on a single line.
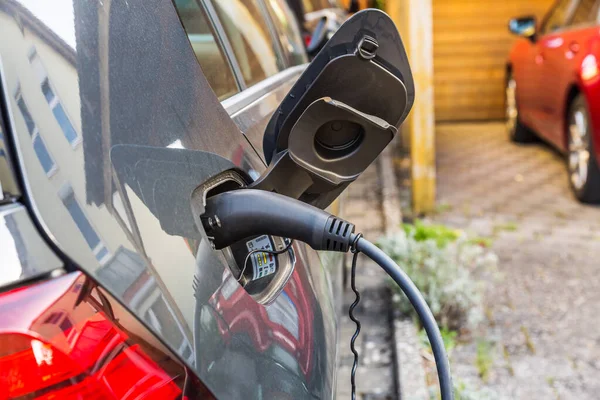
[(448, 336), (421, 232), (484, 359), (442, 262), (506, 355), (442, 208), (528, 341), (482, 241), (380, 4), (506, 227), (462, 391)]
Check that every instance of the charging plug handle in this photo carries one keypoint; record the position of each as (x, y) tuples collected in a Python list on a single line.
[(243, 213), (249, 212)]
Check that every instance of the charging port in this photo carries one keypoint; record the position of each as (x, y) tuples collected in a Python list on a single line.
[(262, 274)]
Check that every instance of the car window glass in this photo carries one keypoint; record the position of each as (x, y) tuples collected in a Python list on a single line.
[(288, 32), (209, 54), (558, 16), (250, 39), (584, 13)]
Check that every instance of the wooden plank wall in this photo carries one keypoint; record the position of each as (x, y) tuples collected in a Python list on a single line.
[(471, 43)]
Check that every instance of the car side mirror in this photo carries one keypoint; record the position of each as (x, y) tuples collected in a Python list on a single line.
[(341, 113), (523, 26), (319, 37)]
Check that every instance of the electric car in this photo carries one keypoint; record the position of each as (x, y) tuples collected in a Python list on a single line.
[(119, 119), (552, 88)]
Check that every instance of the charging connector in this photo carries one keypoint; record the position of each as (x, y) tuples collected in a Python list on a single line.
[(248, 212)]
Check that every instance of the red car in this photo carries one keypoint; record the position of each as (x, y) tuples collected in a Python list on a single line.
[(553, 88)]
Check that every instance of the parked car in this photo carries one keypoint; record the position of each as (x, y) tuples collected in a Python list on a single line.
[(99, 294), (118, 120), (553, 88)]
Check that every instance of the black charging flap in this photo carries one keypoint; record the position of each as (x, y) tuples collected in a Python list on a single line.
[(341, 113)]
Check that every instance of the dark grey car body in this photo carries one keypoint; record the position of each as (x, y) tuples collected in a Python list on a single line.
[(114, 123)]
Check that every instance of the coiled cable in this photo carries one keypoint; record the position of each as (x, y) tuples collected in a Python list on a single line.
[(356, 321), (419, 304)]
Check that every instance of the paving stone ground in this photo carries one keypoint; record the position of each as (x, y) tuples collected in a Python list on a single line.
[(375, 375), (543, 315)]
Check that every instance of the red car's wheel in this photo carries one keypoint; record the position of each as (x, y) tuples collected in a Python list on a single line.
[(517, 132), (584, 174)]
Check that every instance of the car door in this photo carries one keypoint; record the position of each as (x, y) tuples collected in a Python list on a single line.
[(528, 66), (549, 73), (266, 76), (115, 126), (562, 54)]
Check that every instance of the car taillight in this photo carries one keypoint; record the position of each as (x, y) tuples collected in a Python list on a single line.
[(61, 339)]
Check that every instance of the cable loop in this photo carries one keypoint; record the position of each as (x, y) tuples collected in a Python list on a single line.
[(354, 242)]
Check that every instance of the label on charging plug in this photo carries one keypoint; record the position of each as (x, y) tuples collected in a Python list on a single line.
[(263, 264)]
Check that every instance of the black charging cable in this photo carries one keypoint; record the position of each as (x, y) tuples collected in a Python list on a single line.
[(247, 212), (422, 309), (353, 318)]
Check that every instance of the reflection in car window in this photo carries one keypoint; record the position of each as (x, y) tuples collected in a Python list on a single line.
[(83, 224), (160, 316), (288, 32), (209, 54), (558, 16), (584, 12), (39, 146), (53, 101), (59, 113), (250, 39), (24, 253)]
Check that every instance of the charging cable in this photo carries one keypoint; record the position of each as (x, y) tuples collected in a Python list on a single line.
[(248, 212), (356, 321)]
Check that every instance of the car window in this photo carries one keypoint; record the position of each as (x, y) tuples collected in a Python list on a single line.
[(288, 32), (252, 43), (584, 12), (208, 52), (558, 16)]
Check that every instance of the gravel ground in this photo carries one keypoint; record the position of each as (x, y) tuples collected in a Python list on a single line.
[(375, 375), (542, 332)]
